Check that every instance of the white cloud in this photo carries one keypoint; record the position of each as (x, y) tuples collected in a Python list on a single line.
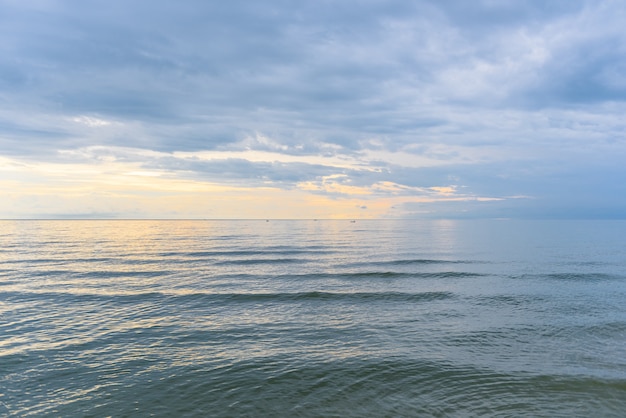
[(91, 121)]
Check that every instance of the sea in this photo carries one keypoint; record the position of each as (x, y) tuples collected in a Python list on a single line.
[(312, 318)]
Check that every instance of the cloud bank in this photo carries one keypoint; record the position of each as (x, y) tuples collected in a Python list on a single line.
[(312, 109)]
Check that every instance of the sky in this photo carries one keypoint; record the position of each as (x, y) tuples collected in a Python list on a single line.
[(312, 109)]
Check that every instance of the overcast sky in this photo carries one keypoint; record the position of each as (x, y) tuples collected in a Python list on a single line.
[(312, 109)]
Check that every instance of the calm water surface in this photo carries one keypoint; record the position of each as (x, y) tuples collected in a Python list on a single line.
[(312, 318)]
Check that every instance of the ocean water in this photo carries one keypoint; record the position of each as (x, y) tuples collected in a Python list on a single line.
[(313, 318)]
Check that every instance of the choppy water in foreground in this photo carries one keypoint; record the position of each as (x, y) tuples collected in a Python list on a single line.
[(312, 318)]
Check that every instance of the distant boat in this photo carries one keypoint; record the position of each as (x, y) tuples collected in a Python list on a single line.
[(352, 222)]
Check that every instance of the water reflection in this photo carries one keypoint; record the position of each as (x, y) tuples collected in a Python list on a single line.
[(114, 315)]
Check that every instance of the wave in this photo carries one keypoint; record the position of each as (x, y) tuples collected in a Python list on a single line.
[(333, 296), (72, 295), (252, 261), (383, 275), (422, 275), (63, 296), (574, 277), (509, 300), (121, 273), (584, 276), (416, 261), (244, 253), (37, 261), (360, 275)]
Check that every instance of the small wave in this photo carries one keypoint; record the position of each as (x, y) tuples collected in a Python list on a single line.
[(90, 260), (422, 275), (592, 331), (583, 276), (48, 273), (121, 273), (417, 261), (36, 261), (585, 263), (365, 274), (73, 296), (509, 300), (243, 253), (578, 277), (327, 296), (252, 261)]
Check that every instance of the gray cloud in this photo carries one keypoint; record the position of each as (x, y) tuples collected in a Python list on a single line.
[(510, 98)]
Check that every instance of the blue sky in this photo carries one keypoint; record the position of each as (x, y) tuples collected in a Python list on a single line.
[(312, 109)]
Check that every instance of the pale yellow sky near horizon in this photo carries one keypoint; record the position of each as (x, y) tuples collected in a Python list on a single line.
[(110, 188)]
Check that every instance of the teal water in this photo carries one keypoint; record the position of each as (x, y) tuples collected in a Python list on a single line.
[(313, 318)]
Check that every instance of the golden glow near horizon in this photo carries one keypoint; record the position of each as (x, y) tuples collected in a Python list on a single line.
[(108, 187)]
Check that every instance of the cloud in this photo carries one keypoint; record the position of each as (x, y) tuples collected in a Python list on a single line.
[(430, 100)]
